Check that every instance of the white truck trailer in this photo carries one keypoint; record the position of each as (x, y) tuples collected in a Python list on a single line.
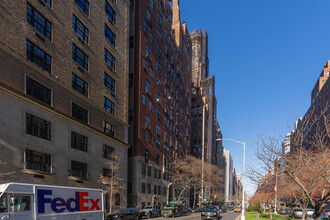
[(20, 201)]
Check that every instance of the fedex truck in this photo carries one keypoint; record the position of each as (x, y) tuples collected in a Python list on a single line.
[(20, 201)]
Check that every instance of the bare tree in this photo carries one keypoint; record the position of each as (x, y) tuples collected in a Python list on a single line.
[(187, 174), (3, 171), (307, 167), (114, 184)]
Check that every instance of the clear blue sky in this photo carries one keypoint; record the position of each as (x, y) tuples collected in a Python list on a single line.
[(266, 56)]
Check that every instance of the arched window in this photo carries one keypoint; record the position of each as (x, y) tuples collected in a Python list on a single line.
[(117, 199)]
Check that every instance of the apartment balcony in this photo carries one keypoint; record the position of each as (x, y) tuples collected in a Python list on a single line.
[(37, 168), (78, 175)]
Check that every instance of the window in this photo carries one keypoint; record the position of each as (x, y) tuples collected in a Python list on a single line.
[(150, 105), (150, 139), (38, 127), (80, 29), (80, 57), (109, 106), (157, 129), (158, 113), (39, 22), (148, 50), (157, 159), (158, 83), (143, 99), (143, 134), (109, 59), (158, 143), (38, 91), (149, 171), (159, 51), (147, 86), (146, 155), (117, 199), (145, 27), (155, 189), (151, 71), (110, 12), (79, 85), (79, 113), (144, 63), (48, 2), (38, 56), (143, 191), (108, 152), (152, 4), (83, 5), (110, 35), (159, 19), (106, 172), (159, 36), (22, 203), (79, 142), (78, 170), (109, 82), (109, 129), (159, 66), (147, 121), (37, 161), (3, 203), (151, 37), (148, 16), (159, 190)]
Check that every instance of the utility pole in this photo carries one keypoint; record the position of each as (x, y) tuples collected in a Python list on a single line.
[(203, 153)]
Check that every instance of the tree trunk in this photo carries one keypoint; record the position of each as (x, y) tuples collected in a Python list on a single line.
[(270, 214), (303, 214)]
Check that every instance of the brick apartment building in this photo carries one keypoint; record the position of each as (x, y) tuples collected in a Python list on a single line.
[(160, 93), (312, 124), (64, 90)]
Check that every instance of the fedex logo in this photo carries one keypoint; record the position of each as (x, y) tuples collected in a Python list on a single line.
[(59, 205)]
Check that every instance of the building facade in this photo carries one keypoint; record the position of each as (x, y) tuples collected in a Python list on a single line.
[(160, 93), (204, 104), (228, 176), (314, 126), (64, 91)]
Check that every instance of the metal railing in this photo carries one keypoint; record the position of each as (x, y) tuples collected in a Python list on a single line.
[(81, 174), (39, 167)]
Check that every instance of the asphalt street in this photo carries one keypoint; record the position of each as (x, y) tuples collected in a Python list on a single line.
[(197, 216)]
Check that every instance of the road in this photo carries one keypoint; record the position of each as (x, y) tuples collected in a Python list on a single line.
[(197, 216)]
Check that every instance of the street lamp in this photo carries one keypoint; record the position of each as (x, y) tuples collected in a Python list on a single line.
[(225, 139)]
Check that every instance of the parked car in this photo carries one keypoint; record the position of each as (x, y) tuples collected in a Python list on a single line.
[(297, 213), (223, 209), (211, 212), (124, 214), (310, 212), (284, 211), (188, 210), (173, 210), (150, 212), (237, 209), (196, 210), (326, 214)]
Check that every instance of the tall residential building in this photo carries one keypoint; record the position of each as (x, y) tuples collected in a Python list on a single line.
[(64, 91), (160, 93), (203, 103), (228, 176), (316, 119), (286, 144)]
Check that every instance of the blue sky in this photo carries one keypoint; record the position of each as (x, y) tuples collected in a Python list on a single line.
[(266, 56)]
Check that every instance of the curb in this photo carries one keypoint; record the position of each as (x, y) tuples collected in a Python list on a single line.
[(238, 217)]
